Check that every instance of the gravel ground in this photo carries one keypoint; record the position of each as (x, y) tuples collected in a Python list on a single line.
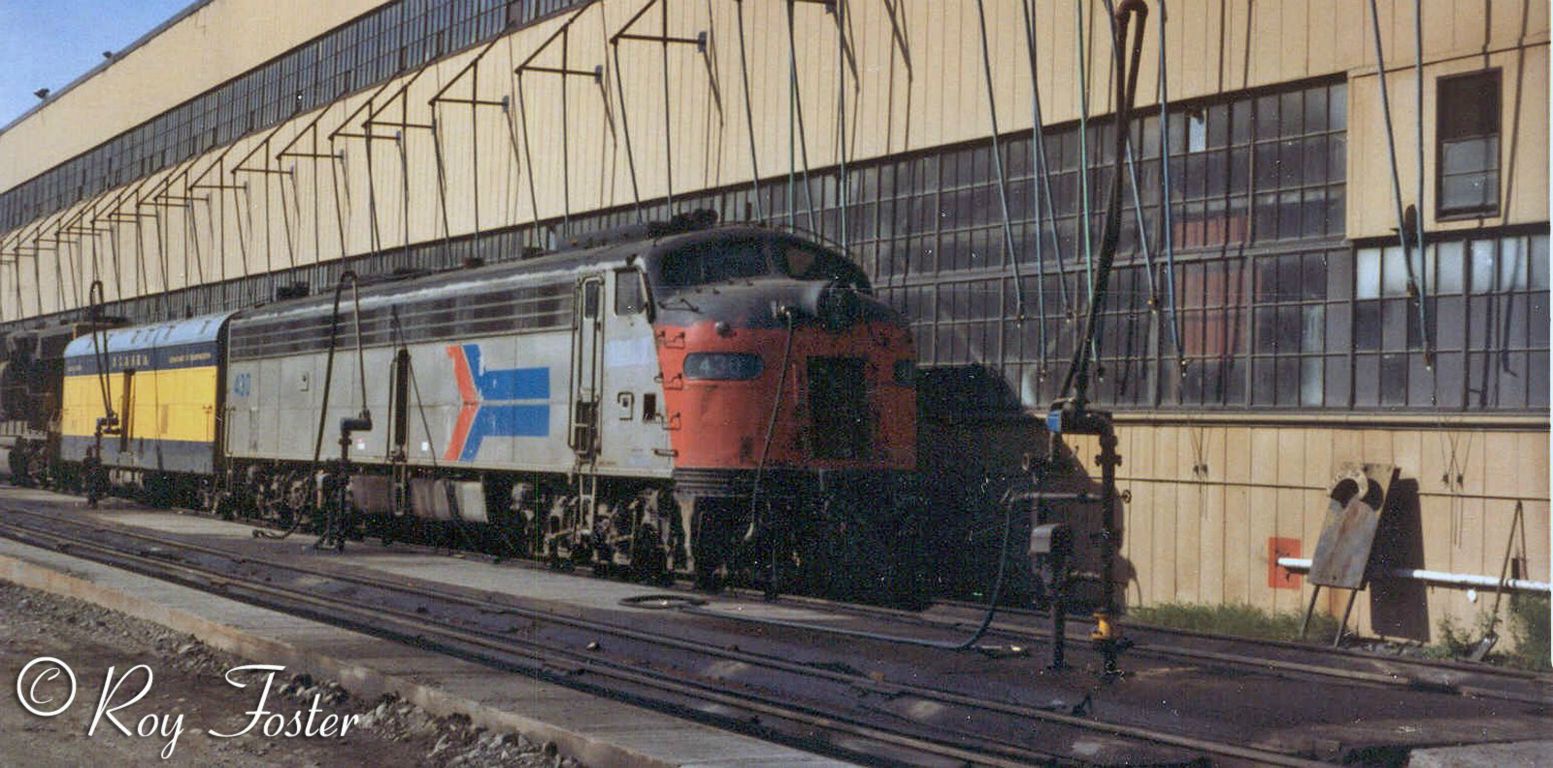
[(189, 680)]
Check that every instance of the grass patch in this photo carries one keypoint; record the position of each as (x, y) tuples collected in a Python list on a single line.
[(1527, 625), (1238, 620), (1532, 629)]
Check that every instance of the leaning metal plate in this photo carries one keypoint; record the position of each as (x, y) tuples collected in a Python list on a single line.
[(1343, 552)]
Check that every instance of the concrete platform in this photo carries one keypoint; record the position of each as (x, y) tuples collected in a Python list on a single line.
[(596, 731)]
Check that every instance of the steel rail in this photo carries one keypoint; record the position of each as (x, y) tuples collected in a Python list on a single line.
[(420, 624), (539, 660)]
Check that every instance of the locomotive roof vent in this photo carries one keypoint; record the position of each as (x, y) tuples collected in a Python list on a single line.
[(680, 223)]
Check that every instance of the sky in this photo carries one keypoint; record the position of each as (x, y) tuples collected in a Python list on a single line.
[(49, 43)]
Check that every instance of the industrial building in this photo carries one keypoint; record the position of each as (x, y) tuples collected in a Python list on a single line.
[(1273, 324)]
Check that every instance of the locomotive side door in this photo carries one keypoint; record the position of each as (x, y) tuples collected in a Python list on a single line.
[(587, 369), (633, 390)]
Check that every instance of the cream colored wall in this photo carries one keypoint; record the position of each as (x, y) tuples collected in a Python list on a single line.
[(914, 80), (1204, 538), (215, 43)]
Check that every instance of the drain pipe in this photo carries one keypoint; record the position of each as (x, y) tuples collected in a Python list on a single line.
[(1441, 578)]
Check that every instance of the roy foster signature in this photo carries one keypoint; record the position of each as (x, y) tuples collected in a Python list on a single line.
[(47, 687)]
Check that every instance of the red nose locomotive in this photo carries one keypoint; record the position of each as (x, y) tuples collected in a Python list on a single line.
[(668, 398)]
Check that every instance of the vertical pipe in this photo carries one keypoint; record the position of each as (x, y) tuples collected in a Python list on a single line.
[(1396, 183)]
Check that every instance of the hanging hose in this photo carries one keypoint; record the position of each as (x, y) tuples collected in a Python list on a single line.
[(1126, 83), (109, 422), (1415, 293), (95, 301), (1077, 379), (765, 451), (970, 643), (323, 408), (1167, 235), (997, 162)]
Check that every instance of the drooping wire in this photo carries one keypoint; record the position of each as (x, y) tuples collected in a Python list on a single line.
[(1414, 291), (1418, 93), (1083, 221), (797, 138), (99, 350), (1042, 197), (765, 451), (997, 163), (1077, 379), (323, 407), (749, 115), (1167, 235)]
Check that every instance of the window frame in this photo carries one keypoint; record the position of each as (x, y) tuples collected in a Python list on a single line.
[(1441, 213)]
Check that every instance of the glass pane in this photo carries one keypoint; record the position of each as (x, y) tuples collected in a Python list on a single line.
[(1337, 381), (1312, 384), (1482, 266), (1393, 379), (1366, 325), (1394, 272), (1512, 264), (1366, 380), (1196, 131), (1367, 273), (1450, 275), (1312, 328), (1539, 262), (1467, 193), (1468, 155)]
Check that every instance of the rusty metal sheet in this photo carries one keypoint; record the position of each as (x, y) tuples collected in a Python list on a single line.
[(1348, 534)]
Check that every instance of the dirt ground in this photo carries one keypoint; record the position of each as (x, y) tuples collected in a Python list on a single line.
[(189, 680)]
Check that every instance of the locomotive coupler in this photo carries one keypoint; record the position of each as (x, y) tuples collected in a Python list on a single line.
[(1073, 416)]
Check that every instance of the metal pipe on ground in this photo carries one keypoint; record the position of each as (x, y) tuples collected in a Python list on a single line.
[(1438, 577)]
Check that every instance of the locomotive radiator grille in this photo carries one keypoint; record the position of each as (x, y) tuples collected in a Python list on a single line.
[(838, 405)]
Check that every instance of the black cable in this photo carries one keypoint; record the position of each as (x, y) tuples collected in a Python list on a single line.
[(765, 451), (323, 410), (968, 644)]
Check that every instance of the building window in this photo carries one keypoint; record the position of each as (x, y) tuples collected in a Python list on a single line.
[(1468, 151)]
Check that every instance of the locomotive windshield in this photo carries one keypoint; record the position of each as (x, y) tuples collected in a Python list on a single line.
[(718, 261)]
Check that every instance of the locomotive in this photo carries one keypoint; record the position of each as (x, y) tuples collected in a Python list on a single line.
[(675, 397)]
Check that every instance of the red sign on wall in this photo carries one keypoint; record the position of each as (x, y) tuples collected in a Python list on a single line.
[(1279, 577)]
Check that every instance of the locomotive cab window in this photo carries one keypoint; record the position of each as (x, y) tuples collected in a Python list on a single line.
[(628, 292), (716, 261), (590, 299), (805, 262)]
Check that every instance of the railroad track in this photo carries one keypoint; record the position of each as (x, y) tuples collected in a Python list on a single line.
[(829, 709), (1281, 658)]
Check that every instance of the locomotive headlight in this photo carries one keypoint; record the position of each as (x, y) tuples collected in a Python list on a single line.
[(906, 373), (722, 366)]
